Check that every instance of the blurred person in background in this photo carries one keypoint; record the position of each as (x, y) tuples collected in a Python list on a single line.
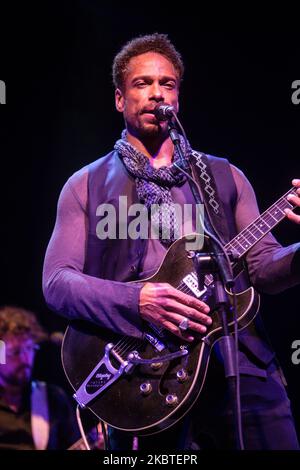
[(33, 414)]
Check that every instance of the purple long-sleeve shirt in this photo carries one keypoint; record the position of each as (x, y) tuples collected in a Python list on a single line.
[(77, 295)]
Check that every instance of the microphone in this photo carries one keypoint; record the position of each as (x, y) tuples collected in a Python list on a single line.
[(163, 112)]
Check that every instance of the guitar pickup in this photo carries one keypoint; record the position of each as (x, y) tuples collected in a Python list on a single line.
[(158, 345), (191, 281)]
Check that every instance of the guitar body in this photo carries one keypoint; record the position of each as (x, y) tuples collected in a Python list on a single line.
[(149, 397)]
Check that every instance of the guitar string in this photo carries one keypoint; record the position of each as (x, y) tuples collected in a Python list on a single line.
[(127, 345), (243, 233), (185, 289), (123, 345), (130, 346)]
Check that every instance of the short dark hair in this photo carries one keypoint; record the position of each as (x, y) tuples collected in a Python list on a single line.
[(19, 321), (156, 42)]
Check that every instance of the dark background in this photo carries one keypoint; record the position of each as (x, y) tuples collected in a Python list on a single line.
[(235, 103)]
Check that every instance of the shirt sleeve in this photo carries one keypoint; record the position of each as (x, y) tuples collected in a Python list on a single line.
[(67, 290), (272, 267)]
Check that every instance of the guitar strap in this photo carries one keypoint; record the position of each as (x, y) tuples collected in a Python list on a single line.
[(214, 209), (39, 415)]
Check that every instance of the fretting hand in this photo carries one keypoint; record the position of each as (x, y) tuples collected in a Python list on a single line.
[(165, 306), (295, 200)]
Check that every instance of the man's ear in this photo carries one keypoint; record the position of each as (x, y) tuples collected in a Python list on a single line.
[(119, 100)]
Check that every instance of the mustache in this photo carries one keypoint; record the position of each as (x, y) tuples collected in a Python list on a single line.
[(147, 110), (150, 109)]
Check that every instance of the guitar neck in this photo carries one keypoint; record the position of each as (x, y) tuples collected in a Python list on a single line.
[(254, 232)]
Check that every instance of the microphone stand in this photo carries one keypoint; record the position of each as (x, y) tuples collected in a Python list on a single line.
[(217, 263)]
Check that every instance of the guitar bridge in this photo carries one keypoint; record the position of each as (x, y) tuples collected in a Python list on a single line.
[(102, 376)]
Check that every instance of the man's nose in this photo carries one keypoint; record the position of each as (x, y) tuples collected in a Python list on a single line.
[(156, 92)]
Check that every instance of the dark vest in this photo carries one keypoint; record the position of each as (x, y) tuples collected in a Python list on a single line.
[(119, 259)]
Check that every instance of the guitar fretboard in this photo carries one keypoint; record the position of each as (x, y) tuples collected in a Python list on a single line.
[(248, 237)]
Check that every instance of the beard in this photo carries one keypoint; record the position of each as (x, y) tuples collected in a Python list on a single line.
[(144, 130)]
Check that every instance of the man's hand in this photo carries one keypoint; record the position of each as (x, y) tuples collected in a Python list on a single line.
[(295, 200), (165, 306)]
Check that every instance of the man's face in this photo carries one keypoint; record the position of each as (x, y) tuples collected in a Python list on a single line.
[(150, 79), (20, 351)]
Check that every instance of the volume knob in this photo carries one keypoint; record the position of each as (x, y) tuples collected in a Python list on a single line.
[(146, 388), (171, 399), (182, 375)]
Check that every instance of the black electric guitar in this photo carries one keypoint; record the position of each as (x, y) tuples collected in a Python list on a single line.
[(145, 386)]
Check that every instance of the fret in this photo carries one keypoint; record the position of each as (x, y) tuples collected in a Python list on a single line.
[(236, 247), (245, 240), (285, 204), (242, 240), (276, 212), (250, 235), (255, 232), (262, 225), (246, 244), (259, 230), (269, 219)]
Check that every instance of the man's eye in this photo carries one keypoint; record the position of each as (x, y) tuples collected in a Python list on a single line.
[(170, 85), (140, 84)]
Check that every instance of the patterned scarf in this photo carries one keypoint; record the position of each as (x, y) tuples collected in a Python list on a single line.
[(153, 187)]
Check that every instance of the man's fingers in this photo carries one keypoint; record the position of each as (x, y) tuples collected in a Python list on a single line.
[(292, 216), (177, 319), (186, 299), (176, 331), (294, 199), (188, 312), (163, 305)]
